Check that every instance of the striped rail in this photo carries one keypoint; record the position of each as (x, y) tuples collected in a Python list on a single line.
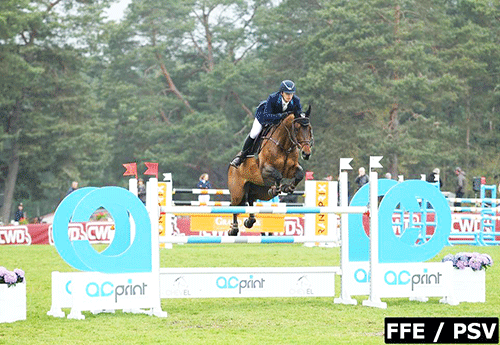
[(244, 239), (228, 203), (260, 209), (474, 200), (215, 191), (474, 209)]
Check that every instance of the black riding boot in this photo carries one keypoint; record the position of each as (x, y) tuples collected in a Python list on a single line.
[(247, 149)]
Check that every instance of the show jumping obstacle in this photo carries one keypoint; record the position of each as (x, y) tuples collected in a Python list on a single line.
[(381, 265), (317, 193)]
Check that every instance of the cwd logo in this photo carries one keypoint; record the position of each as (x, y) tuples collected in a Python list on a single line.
[(129, 251), (15, 235)]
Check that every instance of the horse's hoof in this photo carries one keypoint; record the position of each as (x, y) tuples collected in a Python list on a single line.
[(249, 222), (288, 189), (273, 191), (233, 231)]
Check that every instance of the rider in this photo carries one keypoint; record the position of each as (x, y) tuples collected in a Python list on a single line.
[(278, 105)]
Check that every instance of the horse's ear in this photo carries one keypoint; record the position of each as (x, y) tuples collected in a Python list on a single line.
[(308, 112)]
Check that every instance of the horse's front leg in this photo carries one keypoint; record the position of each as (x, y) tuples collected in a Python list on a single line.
[(276, 176), (299, 176)]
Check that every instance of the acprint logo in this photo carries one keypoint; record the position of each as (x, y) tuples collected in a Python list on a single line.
[(404, 278), (107, 288), (392, 278), (233, 283), (361, 276)]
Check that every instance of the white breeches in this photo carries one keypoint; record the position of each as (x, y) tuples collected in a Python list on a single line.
[(256, 128)]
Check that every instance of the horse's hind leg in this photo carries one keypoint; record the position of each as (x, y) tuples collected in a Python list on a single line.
[(238, 196), (250, 221)]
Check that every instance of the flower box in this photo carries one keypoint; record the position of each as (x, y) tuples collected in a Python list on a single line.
[(469, 285), (12, 302), (468, 278)]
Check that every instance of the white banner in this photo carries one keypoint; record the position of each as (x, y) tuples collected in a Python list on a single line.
[(247, 282)]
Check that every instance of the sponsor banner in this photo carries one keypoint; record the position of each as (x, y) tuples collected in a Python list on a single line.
[(162, 193), (247, 282), (102, 232), (292, 225), (15, 235), (96, 291), (94, 232), (218, 222), (321, 200), (419, 279)]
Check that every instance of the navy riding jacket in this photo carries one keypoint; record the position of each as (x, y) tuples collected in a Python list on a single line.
[(269, 111)]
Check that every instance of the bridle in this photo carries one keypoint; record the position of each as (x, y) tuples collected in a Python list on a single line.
[(304, 122), (292, 135)]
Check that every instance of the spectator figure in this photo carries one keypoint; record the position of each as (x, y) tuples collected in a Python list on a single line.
[(388, 175), (74, 186), (362, 178), (459, 193), (204, 183), (141, 190), (19, 216), (434, 177)]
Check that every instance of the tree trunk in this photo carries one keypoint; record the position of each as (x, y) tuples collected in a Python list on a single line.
[(10, 183)]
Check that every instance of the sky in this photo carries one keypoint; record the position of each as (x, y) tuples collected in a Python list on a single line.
[(115, 12)]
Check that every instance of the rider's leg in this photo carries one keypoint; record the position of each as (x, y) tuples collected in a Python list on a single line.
[(248, 145)]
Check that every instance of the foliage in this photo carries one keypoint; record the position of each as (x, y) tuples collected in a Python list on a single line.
[(177, 83)]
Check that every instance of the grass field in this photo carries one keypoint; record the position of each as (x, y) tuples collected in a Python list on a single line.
[(226, 321)]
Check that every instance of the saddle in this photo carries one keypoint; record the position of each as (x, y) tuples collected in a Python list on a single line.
[(257, 145)]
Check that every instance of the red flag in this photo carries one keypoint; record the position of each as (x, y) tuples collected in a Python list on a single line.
[(309, 175), (152, 169), (131, 169)]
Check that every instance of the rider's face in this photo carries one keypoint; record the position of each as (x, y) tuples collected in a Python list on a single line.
[(287, 96)]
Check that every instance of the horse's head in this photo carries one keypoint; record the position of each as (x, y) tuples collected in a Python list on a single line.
[(302, 132)]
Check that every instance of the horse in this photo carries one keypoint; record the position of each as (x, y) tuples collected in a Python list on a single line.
[(261, 177)]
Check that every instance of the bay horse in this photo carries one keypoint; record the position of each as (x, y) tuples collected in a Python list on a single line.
[(261, 177)]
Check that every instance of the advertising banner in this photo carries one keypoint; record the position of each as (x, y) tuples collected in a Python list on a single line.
[(247, 282)]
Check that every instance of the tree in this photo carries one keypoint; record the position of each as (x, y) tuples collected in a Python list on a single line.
[(45, 109)]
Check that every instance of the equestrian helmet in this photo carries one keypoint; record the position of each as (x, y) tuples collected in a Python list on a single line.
[(288, 86)]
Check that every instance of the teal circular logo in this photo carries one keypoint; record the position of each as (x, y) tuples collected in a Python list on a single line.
[(130, 250)]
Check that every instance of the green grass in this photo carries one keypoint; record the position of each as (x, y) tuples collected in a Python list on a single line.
[(226, 321)]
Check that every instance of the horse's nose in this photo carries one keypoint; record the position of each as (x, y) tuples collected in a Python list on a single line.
[(306, 155)]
